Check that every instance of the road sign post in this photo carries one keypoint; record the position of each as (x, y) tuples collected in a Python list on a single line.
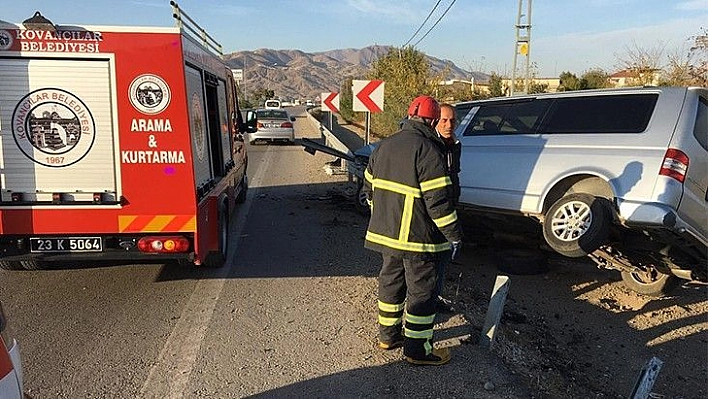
[(368, 97)]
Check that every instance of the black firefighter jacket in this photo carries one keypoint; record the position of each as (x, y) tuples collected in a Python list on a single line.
[(407, 182)]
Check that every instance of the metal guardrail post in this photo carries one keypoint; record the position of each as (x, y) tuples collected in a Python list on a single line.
[(647, 378), (494, 312)]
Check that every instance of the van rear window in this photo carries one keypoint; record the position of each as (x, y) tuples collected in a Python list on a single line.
[(627, 113)]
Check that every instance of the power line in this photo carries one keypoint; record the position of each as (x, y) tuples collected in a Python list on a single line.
[(436, 23), (423, 24)]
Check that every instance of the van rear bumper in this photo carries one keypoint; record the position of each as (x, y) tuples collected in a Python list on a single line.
[(647, 215), (659, 216)]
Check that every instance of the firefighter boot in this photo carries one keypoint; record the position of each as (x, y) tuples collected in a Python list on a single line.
[(436, 357), (394, 343)]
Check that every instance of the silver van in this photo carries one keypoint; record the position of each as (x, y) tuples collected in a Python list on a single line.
[(617, 174)]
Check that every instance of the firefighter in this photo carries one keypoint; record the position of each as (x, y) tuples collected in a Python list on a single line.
[(452, 149), (414, 226)]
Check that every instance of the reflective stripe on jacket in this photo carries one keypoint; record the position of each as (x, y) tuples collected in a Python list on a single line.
[(407, 181)]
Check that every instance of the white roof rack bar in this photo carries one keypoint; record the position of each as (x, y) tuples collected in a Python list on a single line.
[(184, 21)]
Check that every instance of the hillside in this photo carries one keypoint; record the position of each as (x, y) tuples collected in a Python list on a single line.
[(293, 74)]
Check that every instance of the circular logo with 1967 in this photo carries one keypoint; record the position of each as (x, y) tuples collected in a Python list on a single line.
[(53, 127), (5, 39), (149, 94)]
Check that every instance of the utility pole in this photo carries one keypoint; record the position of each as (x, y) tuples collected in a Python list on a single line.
[(522, 46)]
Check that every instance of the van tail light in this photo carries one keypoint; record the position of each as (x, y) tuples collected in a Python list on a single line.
[(260, 125), (163, 244), (675, 165), (286, 124)]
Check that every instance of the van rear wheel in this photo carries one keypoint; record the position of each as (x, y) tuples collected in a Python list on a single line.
[(577, 224), (650, 282)]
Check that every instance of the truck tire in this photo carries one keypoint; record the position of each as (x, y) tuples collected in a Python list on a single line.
[(577, 225), (10, 265), (241, 197), (650, 282), (217, 259)]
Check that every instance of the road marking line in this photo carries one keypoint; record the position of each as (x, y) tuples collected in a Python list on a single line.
[(169, 376)]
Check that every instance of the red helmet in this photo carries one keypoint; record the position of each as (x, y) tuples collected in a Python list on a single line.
[(424, 107)]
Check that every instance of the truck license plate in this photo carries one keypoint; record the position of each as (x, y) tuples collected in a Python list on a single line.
[(66, 244)]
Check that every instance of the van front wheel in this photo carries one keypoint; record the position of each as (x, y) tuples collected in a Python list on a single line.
[(577, 224)]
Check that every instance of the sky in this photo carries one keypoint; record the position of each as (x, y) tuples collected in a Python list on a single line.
[(479, 35)]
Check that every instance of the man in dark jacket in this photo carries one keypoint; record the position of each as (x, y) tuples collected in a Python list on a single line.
[(413, 225), (452, 149)]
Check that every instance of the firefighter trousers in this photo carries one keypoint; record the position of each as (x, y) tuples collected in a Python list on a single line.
[(408, 283)]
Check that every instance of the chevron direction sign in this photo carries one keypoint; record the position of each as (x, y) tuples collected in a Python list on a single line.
[(368, 95), (330, 102)]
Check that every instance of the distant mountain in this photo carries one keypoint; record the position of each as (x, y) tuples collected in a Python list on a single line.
[(294, 74)]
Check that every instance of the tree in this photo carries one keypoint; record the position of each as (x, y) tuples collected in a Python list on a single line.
[(346, 100), (407, 75), (594, 79), (568, 82), (261, 94), (496, 88), (642, 63), (688, 67)]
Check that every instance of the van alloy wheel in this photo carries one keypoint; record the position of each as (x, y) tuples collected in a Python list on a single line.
[(577, 224)]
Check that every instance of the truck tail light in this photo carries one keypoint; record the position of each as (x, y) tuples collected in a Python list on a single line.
[(286, 124), (675, 165), (163, 244)]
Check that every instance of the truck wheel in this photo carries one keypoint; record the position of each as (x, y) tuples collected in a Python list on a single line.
[(32, 264), (577, 225), (241, 197), (360, 203), (10, 265), (217, 259), (650, 282)]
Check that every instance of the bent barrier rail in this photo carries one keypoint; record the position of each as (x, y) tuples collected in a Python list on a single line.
[(329, 138)]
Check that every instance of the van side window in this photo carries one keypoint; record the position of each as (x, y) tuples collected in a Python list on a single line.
[(600, 114), (700, 130), (507, 118)]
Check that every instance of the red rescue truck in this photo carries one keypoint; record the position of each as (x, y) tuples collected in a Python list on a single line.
[(116, 143)]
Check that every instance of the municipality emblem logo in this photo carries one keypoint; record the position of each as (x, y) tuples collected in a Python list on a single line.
[(149, 94), (5, 39), (53, 127)]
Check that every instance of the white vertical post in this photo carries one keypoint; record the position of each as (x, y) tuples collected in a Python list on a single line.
[(494, 312), (368, 126), (646, 379)]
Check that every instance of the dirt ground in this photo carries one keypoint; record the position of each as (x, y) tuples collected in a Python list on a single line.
[(574, 330)]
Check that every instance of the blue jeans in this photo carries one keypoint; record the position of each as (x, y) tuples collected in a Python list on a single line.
[(440, 271)]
